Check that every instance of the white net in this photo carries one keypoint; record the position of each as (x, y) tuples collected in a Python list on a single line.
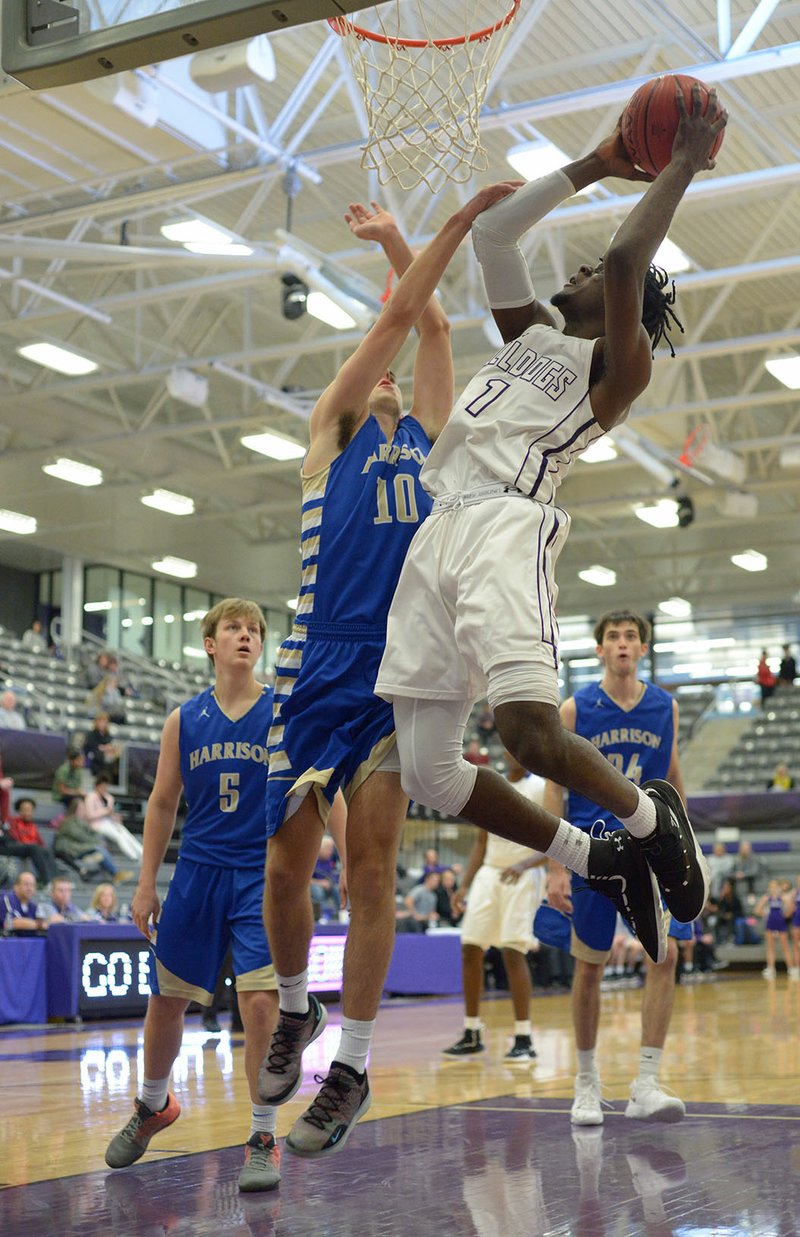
[(423, 73)]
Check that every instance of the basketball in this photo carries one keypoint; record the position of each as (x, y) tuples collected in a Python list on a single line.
[(650, 121)]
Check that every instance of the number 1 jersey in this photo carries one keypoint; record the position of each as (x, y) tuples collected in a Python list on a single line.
[(224, 772)]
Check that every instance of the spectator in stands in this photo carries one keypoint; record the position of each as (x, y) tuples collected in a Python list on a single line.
[(103, 906), (33, 640), (325, 881), (767, 681), (720, 868), (97, 671), (485, 723), (99, 810), (24, 841), (421, 902), (781, 779), (107, 698), (777, 907), (730, 918), (448, 913), (68, 778), (101, 753), (19, 910), (431, 863), (76, 843), (787, 671), (6, 786), (749, 869), (475, 754), (705, 956), (10, 716), (59, 907)]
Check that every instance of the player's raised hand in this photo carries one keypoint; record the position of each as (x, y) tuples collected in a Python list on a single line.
[(615, 160), (698, 130), (369, 225), (487, 197)]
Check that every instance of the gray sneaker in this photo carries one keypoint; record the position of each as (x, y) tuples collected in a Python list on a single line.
[(281, 1070), (326, 1126), (130, 1144), (262, 1164)]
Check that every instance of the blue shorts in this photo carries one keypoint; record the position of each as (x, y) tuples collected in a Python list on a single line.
[(329, 729), (206, 910), (594, 920)]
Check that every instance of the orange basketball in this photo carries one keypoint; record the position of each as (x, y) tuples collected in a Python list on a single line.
[(650, 121)]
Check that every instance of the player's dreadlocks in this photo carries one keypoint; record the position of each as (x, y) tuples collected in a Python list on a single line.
[(658, 316)]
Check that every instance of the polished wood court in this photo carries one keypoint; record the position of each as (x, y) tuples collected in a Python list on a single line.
[(733, 1056)]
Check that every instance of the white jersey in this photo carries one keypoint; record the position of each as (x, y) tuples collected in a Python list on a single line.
[(522, 420), (499, 852)]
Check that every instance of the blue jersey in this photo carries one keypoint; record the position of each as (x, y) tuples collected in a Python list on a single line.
[(358, 518), (638, 742), (224, 772)]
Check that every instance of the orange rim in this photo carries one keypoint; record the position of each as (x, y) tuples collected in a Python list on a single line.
[(342, 26)]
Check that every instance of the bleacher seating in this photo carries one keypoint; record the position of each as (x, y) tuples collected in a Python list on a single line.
[(774, 738)]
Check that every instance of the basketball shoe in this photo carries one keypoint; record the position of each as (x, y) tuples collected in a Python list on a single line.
[(467, 1046), (587, 1105), (649, 1103), (262, 1163), (281, 1070), (619, 870), (327, 1124), (130, 1144), (674, 855), (521, 1051)]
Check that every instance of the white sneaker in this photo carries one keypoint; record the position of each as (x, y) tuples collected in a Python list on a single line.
[(768, 972), (794, 972), (586, 1109), (649, 1103)]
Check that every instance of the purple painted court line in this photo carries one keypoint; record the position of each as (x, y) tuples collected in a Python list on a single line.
[(505, 1166)]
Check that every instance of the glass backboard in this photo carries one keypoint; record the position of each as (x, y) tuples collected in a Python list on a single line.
[(49, 43)]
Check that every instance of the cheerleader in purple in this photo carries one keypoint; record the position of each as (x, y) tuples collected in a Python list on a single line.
[(795, 929), (777, 907)]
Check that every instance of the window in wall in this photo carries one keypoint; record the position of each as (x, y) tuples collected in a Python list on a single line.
[(168, 621), (101, 604), (136, 614)]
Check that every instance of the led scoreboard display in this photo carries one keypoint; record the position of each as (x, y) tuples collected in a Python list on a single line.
[(114, 977), (115, 974)]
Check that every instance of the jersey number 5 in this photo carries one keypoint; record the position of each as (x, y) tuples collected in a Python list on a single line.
[(228, 792), (405, 501)]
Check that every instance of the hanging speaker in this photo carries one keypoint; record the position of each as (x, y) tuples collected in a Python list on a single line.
[(239, 64)]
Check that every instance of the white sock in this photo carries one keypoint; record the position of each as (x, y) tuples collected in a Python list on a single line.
[(354, 1045), (522, 1026), (472, 1024), (293, 992), (650, 1062), (586, 1063), (154, 1093), (643, 821), (263, 1119), (570, 846)]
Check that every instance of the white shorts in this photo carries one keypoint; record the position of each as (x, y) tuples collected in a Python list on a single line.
[(477, 591), (500, 914)]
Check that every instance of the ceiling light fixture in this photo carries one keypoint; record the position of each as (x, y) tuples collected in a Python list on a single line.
[(16, 522), (677, 607), (320, 306), (598, 452), (603, 577), (166, 500), (74, 471), (183, 568), (663, 514), (538, 158), (787, 370), (750, 560), (94, 607), (62, 360), (672, 258), (276, 446)]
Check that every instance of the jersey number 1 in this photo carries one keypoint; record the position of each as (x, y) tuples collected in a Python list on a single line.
[(405, 501), (228, 792)]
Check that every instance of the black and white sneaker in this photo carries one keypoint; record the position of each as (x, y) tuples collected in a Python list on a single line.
[(521, 1051), (618, 870), (469, 1044), (674, 855)]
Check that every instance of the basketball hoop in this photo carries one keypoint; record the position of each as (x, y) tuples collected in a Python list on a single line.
[(423, 95)]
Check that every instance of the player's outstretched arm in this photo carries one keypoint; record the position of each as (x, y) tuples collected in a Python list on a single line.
[(434, 381), (159, 822), (347, 395), (627, 351)]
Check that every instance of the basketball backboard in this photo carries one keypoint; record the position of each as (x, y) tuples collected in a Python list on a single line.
[(49, 43)]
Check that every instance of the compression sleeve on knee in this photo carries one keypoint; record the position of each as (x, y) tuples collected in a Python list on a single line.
[(496, 233)]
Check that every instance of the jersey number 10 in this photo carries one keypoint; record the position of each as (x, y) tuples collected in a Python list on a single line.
[(404, 504)]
